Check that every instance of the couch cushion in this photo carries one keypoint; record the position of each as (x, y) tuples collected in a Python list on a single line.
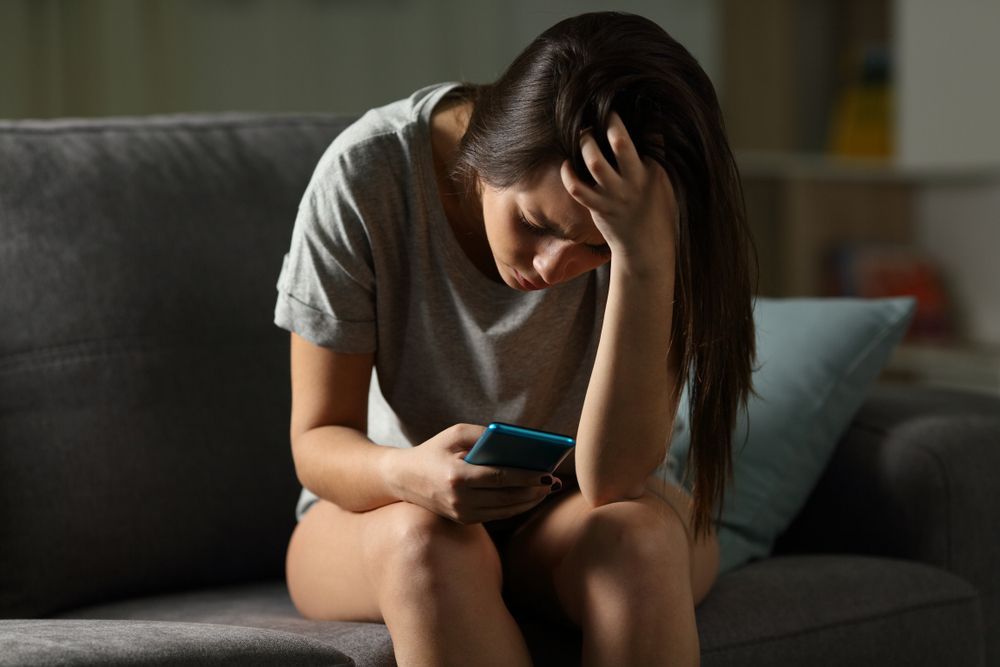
[(816, 360), (836, 610), (804, 609), (144, 391), (105, 642), (263, 604), (915, 478), (821, 611)]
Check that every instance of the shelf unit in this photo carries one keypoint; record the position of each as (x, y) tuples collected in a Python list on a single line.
[(800, 206), (785, 63)]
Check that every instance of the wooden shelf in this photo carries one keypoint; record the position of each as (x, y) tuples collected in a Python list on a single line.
[(780, 165)]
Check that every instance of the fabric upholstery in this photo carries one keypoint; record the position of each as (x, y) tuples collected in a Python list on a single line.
[(144, 391), (915, 478), (816, 360), (262, 604), (89, 642), (145, 474), (841, 610), (785, 610)]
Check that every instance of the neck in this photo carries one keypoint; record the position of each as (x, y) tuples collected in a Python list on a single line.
[(449, 122), (462, 206)]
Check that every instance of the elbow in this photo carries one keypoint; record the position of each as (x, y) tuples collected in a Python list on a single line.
[(605, 495), (614, 486)]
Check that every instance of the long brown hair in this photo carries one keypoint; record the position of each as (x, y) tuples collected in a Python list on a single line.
[(569, 79)]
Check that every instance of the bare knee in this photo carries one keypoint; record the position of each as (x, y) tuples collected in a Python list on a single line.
[(640, 547), (421, 552), (634, 534)]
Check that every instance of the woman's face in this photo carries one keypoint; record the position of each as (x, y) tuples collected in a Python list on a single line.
[(539, 235)]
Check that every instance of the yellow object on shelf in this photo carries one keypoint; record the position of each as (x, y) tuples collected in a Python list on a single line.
[(862, 120)]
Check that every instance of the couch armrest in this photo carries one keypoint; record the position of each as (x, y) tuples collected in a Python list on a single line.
[(915, 477)]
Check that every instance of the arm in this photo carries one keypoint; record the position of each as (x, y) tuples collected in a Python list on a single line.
[(333, 457), (629, 409), (335, 460)]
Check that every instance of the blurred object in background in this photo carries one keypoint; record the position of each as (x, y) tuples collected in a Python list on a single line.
[(122, 57), (854, 122), (873, 271), (859, 122), (862, 121), (787, 63)]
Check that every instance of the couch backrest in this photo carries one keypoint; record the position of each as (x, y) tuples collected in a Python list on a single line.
[(144, 389)]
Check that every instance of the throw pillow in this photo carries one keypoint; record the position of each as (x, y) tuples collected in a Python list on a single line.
[(817, 359)]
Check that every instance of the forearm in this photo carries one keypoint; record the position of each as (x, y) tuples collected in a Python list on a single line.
[(342, 465), (630, 404)]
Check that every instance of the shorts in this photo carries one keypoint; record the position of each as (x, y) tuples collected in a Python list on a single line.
[(306, 500), (499, 530)]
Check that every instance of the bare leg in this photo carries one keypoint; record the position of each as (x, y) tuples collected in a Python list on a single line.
[(625, 573), (436, 584), (440, 595), (631, 591)]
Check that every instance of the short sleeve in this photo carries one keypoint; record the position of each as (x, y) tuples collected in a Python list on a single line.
[(326, 287)]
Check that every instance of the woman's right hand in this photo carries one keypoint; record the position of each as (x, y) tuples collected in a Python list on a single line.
[(434, 475)]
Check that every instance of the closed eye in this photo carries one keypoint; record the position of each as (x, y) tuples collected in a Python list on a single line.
[(599, 250), (534, 229)]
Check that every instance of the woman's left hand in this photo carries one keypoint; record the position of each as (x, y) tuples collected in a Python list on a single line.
[(635, 207)]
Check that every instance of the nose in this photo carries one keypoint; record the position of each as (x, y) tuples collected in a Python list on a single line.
[(556, 262)]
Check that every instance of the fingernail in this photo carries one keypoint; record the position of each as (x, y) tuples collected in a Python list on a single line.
[(547, 479), (557, 487)]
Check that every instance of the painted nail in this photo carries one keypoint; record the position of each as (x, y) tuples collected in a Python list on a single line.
[(557, 487), (547, 479)]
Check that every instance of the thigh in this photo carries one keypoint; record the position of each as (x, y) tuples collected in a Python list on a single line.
[(337, 559), (537, 548), (324, 564)]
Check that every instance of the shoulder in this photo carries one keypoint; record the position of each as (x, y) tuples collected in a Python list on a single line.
[(384, 141), (370, 176)]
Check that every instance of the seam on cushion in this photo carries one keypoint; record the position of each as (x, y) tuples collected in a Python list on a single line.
[(943, 471), (109, 347), (152, 124), (844, 624), (874, 343), (864, 354), (866, 426)]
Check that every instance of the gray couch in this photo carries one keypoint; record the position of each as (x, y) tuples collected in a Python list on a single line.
[(146, 483)]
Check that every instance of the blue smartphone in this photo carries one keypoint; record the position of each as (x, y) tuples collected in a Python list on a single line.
[(520, 447)]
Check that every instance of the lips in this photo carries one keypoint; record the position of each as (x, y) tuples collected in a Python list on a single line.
[(525, 283)]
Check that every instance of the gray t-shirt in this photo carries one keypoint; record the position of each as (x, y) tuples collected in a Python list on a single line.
[(374, 266)]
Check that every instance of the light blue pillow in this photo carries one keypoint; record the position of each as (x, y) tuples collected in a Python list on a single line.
[(817, 359)]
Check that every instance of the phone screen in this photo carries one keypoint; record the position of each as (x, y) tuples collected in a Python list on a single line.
[(520, 447)]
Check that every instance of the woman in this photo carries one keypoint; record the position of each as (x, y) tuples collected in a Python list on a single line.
[(563, 249)]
